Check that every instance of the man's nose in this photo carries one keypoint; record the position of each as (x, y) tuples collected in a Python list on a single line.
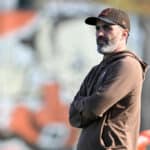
[(100, 32)]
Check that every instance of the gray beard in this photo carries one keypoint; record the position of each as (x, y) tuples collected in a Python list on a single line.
[(107, 48)]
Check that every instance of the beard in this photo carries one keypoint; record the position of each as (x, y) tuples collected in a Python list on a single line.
[(106, 46)]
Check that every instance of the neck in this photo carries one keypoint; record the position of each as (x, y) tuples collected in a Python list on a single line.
[(120, 48)]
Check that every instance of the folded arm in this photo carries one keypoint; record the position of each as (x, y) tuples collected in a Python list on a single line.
[(121, 78), (78, 118)]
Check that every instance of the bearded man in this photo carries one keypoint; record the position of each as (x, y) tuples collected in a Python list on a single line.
[(108, 104)]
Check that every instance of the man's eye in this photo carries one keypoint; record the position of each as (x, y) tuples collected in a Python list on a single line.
[(104, 27), (107, 27), (97, 27)]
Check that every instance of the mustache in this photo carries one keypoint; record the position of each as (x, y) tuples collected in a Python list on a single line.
[(102, 39)]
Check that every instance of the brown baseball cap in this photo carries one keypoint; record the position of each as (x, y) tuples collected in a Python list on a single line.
[(111, 16)]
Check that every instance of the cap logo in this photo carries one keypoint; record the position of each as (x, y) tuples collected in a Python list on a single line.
[(105, 12)]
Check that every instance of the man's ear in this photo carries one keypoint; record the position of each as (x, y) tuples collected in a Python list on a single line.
[(125, 33)]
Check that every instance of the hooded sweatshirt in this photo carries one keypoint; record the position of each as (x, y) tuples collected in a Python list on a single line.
[(107, 106)]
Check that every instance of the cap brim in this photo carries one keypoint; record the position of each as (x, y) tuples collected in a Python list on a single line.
[(93, 20)]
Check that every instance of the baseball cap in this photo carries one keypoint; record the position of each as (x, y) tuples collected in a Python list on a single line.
[(111, 16)]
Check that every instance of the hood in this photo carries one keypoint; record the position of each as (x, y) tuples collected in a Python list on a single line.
[(122, 54)]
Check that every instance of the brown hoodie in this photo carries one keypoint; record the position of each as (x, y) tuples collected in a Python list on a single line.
[(107, 107)]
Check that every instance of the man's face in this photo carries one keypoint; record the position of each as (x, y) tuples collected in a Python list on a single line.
[(108, 37)]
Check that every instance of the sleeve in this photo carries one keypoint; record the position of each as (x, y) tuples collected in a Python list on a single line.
[(76, 117), (120, 79)]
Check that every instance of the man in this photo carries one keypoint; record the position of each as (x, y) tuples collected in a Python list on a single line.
[(107, 106)]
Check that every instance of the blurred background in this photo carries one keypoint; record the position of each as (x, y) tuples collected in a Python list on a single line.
[(45, 52)]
